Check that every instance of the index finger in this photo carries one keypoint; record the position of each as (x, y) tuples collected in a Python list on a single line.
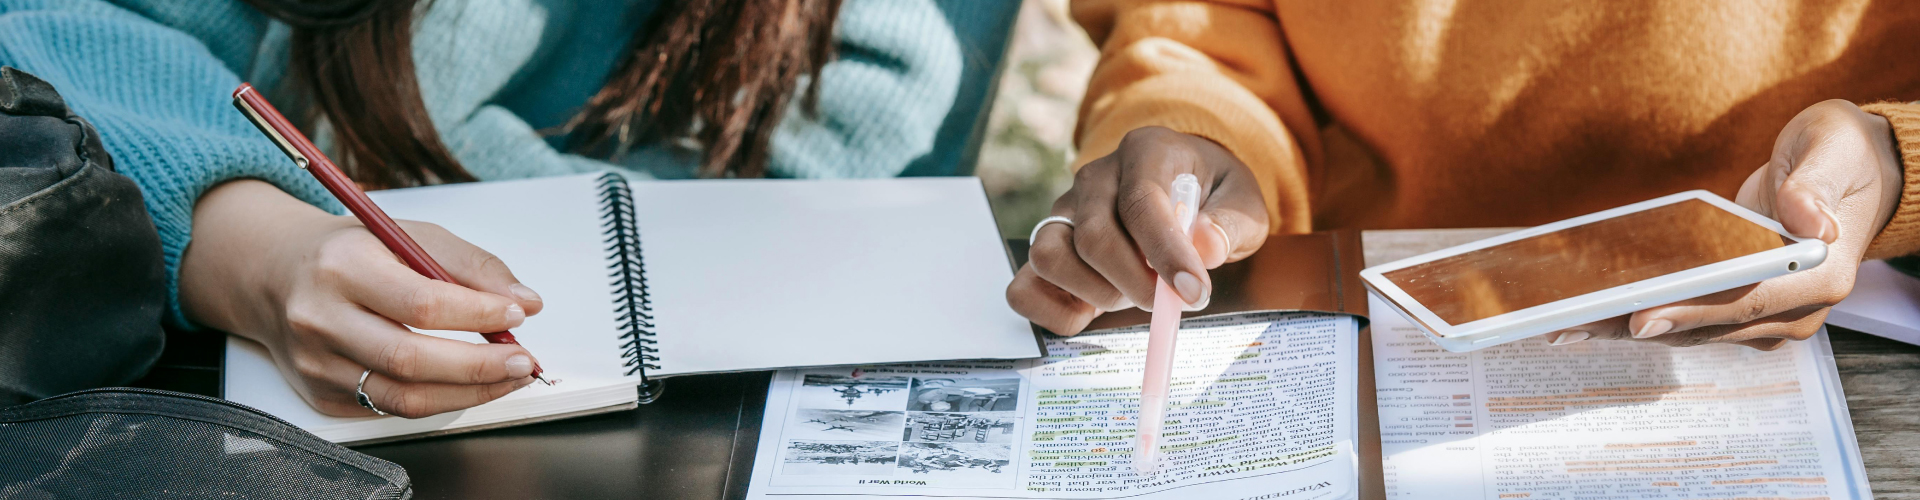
[(1818, 287), (472, 266), (394, 291), (390, 349), (1146, 210)]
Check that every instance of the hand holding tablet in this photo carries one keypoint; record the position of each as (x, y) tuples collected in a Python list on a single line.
[(1835, 178), (1589, 268)]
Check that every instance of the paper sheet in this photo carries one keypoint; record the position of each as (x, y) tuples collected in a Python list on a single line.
[(1262, 408), (1610, 419), (1884, 302)]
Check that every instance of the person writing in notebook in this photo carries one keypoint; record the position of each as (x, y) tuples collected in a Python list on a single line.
[(1301, 116), (406, 93)]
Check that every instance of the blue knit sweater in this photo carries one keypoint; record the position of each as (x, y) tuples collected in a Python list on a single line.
[(155, 77)]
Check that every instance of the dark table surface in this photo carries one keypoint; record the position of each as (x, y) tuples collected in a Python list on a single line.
[(690, 444)]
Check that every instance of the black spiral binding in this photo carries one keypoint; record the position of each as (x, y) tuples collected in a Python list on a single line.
[(629, 273)]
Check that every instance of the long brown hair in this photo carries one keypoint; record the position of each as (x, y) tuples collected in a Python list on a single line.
[(719, 72)]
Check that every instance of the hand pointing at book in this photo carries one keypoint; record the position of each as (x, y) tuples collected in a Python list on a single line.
[(1122, 231), (329, 301)]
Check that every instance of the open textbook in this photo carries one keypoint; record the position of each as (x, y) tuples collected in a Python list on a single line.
[(1262, 408), (1267, 405), (1603, 419), (1611, 419)]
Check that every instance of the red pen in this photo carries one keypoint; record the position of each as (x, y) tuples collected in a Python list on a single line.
[(309, 158)]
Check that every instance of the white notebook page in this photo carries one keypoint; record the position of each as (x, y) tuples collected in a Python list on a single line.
[(755, 274), (1884, 302)]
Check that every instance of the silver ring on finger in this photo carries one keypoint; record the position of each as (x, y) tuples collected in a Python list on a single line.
[(1055, 219), (360, 393)]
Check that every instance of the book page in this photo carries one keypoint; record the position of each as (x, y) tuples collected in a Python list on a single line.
[(1610, 419), (1262, 408)]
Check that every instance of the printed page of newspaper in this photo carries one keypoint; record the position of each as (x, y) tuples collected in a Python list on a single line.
[(1262, 408), (1610, 419)]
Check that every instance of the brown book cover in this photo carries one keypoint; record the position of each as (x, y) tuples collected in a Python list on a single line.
[(1291, 272)]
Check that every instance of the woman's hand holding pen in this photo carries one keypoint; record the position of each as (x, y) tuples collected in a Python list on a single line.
[(1834, 176), (329, 301), (1123, 231)]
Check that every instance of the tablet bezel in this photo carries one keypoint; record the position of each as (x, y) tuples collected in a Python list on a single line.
[(1803, 254)]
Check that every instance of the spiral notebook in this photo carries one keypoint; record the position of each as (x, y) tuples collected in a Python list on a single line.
[(652, 280)]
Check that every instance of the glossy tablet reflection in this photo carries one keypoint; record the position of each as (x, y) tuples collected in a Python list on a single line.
[(1584, 259)]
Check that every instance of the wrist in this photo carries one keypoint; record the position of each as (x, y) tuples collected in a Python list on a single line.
[(248, 236), (1898, 231), (1887, 151)]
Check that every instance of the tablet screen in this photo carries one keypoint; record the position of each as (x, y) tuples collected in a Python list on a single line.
[(1583, 259)]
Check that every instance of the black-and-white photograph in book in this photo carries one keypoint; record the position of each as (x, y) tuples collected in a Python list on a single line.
[(993, 462), (839, 458), (852, 391), (847, 424), (981, 427), (965, 394)]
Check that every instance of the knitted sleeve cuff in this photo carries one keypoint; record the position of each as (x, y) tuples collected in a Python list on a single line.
[(1219, 110), (1902, 234), (1215, 69), (160, 101)]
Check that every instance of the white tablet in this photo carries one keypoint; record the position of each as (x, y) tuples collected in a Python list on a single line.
[(1588, 268)]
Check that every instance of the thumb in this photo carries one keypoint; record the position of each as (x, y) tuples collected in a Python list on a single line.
[(1806, 212), (1757, 192)]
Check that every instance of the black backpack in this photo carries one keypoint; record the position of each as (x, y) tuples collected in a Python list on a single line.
[(142, 443), (81, 279), (82, 291)]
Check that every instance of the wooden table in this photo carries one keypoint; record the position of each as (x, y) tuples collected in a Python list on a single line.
[(1882, 382), (697, 441)]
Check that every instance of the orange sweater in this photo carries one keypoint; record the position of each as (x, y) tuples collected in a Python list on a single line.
[(1439, 113)]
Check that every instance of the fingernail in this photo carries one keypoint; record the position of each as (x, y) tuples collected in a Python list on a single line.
[(1570, 337), (1188, 285), (519, 365), (1831, 231), (1223, 236), (1653, 328), (515, 315), (523, 292)]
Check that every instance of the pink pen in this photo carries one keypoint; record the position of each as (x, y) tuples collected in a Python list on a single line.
[(1161, 334)]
